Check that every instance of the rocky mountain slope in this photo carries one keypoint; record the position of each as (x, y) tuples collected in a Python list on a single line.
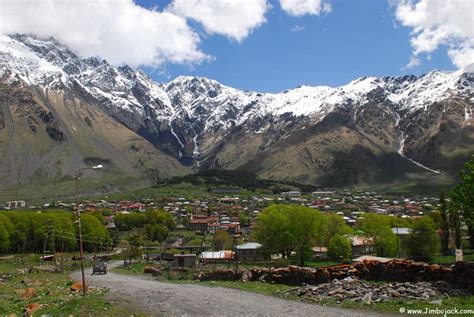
[(60, 111)]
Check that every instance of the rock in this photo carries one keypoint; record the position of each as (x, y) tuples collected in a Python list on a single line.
[(394, 293), (32, 308), (436, 302), (336, 291), (27, 293), (76, 287), (367, 298)]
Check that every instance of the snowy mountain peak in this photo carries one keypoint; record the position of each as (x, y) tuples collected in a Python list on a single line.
[(193, 118)]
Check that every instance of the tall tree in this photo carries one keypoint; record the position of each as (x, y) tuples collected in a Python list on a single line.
[(339, 248), (444, 222), (378, 227), (422, 242), (5, 228), (462, 197), (335, 226), (286, 228), (222, 240)]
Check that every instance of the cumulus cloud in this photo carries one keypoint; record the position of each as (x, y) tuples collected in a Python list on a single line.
[(117, 30), (304, 7), (231, 18), (438, 23)]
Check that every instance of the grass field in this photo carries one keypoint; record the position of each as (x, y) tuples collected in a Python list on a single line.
[(53, 293)]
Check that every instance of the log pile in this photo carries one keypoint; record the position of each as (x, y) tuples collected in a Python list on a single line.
[(460, 274)]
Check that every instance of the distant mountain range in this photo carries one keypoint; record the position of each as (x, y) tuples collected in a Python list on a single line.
[(59, 111)]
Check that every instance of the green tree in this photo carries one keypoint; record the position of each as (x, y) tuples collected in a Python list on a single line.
[(378, 227), (335, 226), (156, 232), (339, 248), (94, 232), (222, 240), (271, 230), (5, 228), (444, 223), (134, 246), (422, 243), (285, 228), (462, 197), (243, 219), (160, 217)]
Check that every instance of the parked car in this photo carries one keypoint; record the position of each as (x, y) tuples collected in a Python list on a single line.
[(100, 267)]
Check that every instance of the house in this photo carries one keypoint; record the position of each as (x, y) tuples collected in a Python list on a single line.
[(185, 260), (229, 200), (320, 252), (15, 204), (319, 194), (198, 225), (361, 245), (291, 194), (217, 256), (251, 252)]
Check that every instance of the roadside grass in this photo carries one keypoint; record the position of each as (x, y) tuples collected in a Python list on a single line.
[(53, 293), (133, 269), (450, 259), (393, 306)]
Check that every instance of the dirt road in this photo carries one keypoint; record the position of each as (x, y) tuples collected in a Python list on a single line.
[(166, 299)]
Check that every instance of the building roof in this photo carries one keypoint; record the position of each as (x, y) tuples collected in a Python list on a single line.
[(372, 258), (224, 254), (401, 231), (191, 255), (249, 246)]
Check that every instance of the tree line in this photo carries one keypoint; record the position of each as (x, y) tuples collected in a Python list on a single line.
[(36, 232)]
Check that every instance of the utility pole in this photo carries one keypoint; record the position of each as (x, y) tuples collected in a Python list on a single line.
[(46, 242), (79, 228), (81, 249), (62, 250), (235, 254), (54, 250), (398, 242)]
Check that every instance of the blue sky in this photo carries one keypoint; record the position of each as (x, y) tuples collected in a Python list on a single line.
[(261, 45), (357, 38)]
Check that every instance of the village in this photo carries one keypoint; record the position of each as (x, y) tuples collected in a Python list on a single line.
[(235, 215), (364, 249)]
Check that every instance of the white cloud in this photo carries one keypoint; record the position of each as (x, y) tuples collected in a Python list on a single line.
[(297, 28), (117, 30), (414, 61), (436, 23), (303, 7), (234, 19)]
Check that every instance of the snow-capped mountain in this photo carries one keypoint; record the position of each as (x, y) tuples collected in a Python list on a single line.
[(409, 123)]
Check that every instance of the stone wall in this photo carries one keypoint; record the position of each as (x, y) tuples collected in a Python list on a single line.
[(461, 274)]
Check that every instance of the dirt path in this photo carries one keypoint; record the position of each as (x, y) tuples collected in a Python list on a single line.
[(166, 299)]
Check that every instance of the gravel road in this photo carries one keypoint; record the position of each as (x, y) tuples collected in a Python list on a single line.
[(166, 299)]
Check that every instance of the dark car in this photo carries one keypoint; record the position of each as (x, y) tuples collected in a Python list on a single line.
[(100, 267)]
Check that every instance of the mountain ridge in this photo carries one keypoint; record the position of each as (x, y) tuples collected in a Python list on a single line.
[(203, 124)]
